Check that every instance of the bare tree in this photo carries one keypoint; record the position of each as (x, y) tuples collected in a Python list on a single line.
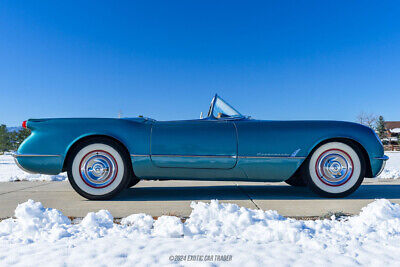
[(367, 119)]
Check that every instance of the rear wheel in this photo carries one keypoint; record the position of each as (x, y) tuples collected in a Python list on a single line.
[(98, 168), (335, 169)]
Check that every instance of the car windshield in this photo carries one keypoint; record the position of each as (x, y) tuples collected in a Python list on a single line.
[(221, 109)]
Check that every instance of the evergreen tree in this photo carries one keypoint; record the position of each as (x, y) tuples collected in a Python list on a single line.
[(4, 138), (10, 141), (12, 136), (398, 139), (21, 135), (381, 128)]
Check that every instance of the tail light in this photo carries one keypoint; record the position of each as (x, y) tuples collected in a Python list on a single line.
[(24, 124)]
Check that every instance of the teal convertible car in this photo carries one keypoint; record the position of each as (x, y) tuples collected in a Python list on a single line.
[(104, 156)]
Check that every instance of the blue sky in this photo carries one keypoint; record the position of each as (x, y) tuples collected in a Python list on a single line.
[(165, 60)]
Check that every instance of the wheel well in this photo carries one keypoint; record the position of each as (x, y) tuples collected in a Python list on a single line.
[(92, 137), (350, 142)]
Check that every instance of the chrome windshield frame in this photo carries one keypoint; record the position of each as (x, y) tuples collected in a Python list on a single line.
[(211, 110), (212, 106)]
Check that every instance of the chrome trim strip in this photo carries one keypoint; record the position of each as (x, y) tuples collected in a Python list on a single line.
[(217, 156), (276, 157), (384, 157), (194, 156), (15, 155)]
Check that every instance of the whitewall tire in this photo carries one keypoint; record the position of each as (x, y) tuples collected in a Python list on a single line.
[(98, 168), (335, 169)]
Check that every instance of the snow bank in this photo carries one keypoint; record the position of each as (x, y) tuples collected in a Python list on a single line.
[(40, 236), (141, 222), (9, 172), (34, 222), (168, 226)]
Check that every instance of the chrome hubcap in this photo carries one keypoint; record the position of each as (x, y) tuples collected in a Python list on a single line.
[(98, 169), (334, 167)]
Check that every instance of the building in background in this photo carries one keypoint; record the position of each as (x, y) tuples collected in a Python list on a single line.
[(393, 135)]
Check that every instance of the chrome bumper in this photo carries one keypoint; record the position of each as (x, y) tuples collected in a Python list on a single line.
[(384, 158), (15, 156), (39, 163)]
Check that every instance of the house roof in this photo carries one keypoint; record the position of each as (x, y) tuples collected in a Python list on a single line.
[(392, 124)]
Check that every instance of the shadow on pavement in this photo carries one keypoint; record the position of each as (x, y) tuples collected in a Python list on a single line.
[(226, 192), (232, 192)]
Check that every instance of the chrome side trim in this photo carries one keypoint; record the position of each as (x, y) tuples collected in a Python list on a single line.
[(218, 156), (16, 155), (276, 157), (195, 156), (384, 158)]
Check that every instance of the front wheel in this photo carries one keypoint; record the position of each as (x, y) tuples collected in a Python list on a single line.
[(98, 169), (335, 169)]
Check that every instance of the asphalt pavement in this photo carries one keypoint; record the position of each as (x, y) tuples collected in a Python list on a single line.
[(174, 197)]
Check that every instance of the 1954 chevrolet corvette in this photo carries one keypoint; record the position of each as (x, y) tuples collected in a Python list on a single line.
[(104, 156)]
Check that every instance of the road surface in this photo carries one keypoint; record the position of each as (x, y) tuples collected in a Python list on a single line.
[(174, 197)]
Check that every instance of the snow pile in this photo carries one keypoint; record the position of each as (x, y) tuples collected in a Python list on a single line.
[(34, 222), (168, 226), (141, 222), (392, 168), (230, 220), (100, 219), (39, 236), (9, 172)]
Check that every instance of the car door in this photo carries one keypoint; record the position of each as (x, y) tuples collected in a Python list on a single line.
[(271, 150), (205, 144)]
